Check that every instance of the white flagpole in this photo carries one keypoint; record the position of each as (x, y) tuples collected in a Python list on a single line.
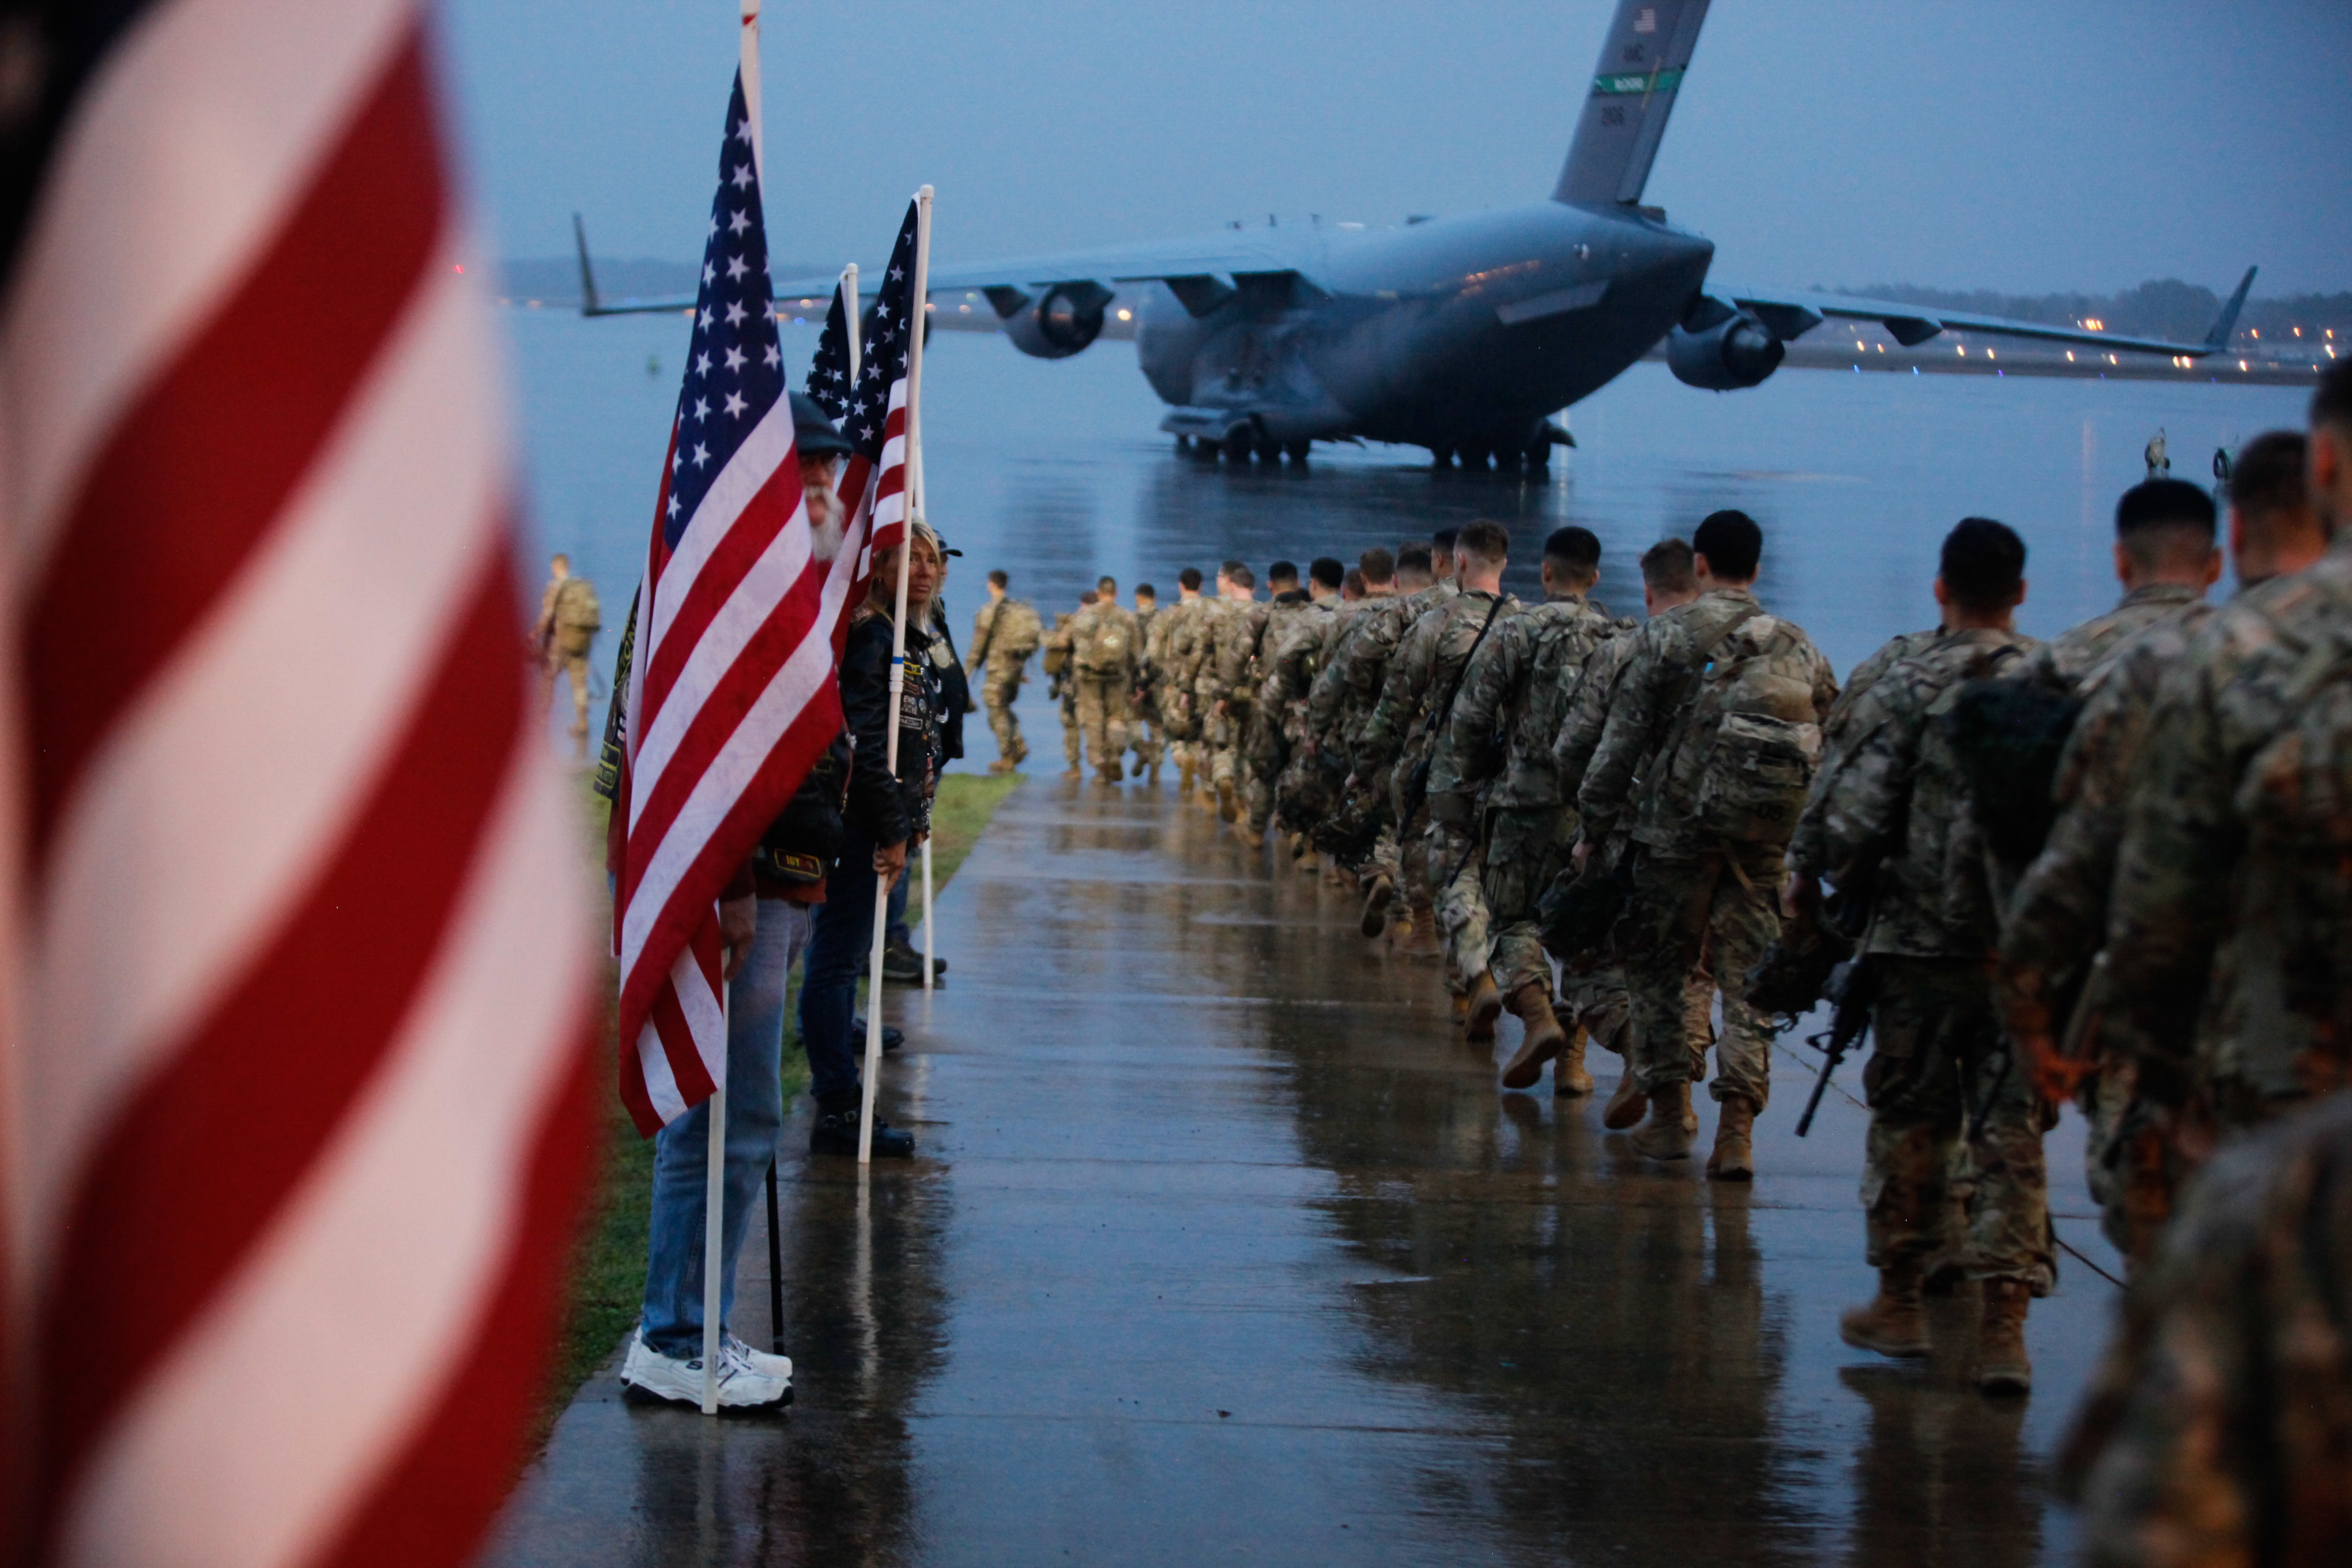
[(714, 1186), (848, 287), (898, 650), (927, 914)]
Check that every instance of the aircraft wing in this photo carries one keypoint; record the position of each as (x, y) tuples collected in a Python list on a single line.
[(1792, 314), (1203, 268)]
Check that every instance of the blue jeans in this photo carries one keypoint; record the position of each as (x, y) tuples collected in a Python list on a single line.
[(899, 934), (839, 951), (671, 1322)]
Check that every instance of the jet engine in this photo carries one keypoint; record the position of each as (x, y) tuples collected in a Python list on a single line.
[(1721, 349), (1055, 324)]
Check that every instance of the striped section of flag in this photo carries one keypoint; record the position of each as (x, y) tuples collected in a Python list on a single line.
[(731, 692), (873, 482), (302, 1087)]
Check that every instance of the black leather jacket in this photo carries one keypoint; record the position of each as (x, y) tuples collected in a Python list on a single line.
[(890, 810)]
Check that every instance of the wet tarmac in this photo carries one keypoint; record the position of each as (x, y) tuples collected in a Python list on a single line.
[(1222, 1247)]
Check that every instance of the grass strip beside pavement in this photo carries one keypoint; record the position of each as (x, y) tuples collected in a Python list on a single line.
[(607, 1275)]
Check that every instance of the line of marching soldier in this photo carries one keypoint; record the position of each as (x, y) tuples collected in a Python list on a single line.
[(2114, 867)]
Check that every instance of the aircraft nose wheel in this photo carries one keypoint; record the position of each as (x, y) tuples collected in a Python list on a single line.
[(1298, 451)]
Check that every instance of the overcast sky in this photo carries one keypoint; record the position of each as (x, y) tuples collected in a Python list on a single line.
[(2019, 146)]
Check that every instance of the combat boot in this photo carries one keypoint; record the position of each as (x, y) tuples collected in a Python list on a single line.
[(2002, 1366), (1894, 1324), (1204, 799), (1073, 771), (1734, 1159), (1108, 775), (1249, 836), (1570, 1080), (1486, 1006), (1544, 1040), (1020, 750), (1228, 808), (1376, 899), (1001, 765), (1184, 778), (1152, 774), (1628, 1105), (1668, 1134)]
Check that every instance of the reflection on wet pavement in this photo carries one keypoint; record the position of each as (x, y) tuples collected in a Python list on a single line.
[(1223, 1248)]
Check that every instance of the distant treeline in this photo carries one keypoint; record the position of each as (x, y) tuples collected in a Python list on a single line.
[(2161, 308), (555, 280)]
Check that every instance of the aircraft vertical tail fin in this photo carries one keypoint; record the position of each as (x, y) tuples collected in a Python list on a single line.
[(590, 305), (1633, 89)]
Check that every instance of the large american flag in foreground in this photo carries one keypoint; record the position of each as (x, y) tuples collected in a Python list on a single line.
[(872, 407), (731, 692), (297, 1106)]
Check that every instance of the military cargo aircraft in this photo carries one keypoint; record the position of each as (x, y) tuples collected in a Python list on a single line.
[(1464, 335)]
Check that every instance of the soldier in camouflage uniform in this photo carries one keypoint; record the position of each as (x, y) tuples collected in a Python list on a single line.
[(1005, 634), (1171, 660), (2056, 918), (1341, 704), (1225, 689), (1062, 679), (1592, 985), (1103, 652), (2229, 930), (2218, 1426), (1401, 736), (1888, 822), (1147, 731), (1493, 768), (1295, 647), (1712, 682), (1264, 745)]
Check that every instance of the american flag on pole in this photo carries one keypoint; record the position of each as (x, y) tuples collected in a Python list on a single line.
[(731, 692), (873, 483), (296, 1110)]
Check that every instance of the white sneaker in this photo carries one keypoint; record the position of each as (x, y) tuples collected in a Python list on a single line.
[(779, 1367), (675, 1378)]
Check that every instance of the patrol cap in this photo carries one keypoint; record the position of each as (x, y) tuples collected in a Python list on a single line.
[(814, 433)]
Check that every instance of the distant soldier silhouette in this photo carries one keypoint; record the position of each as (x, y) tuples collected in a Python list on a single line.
[(2159, 460), (569, 619)]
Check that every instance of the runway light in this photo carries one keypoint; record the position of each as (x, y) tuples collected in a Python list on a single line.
[(2298, 331), (2094, 324), (1964, 354), (1990, 355), (1857, 342), (2070, 356), (1127, 315), (2112, 359), (2242, 365), (963, 310)]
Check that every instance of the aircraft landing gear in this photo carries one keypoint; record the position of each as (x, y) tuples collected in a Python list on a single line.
[(1441, 457), (1473, 457), (1298, 451), (1241, 442), (1538, 458), (1183, 446)]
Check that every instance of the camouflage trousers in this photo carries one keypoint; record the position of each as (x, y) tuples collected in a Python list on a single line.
[(1936, 1058), (1714, 913), (1525, 850), (1414, 879), (1073, 734), (1145, 732), (997, 694), (1227, 737), (1457, 877), (2133, 1160), (1597, 1000), (1102, 716), (1268, 755)]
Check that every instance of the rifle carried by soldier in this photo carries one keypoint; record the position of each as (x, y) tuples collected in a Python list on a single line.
[(1852, 987)]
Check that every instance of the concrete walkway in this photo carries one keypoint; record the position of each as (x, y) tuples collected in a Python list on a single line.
[(1223, 1248)]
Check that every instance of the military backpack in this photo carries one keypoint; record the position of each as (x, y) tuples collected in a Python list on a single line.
[(1747, 752)]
